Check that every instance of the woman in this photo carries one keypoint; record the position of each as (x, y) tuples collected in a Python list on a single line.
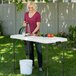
[(33, 19)]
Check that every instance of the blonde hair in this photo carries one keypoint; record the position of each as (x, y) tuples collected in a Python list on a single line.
[(33, 4)]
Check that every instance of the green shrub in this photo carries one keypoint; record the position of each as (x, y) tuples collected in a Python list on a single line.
[(62, 34), (72, 34)]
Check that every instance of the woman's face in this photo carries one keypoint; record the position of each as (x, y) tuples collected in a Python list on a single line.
[(31, 8)]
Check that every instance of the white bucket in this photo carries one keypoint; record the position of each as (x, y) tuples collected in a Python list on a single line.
[(26, 66)]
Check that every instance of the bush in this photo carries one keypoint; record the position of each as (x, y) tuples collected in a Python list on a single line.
[(62, 34), (72, 34)]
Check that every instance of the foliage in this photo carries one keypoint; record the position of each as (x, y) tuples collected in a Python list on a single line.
[(62, 34), (20, 5), (72, 33)]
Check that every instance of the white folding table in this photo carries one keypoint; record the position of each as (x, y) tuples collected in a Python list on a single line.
[(39, 39)]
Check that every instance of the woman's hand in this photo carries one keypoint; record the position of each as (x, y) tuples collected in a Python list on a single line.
[(33, 34), (25, 23)]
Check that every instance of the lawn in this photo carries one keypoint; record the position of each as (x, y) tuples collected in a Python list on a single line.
[(54, 56)]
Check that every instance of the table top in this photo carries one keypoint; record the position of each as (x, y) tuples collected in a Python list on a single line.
[(40, 39)]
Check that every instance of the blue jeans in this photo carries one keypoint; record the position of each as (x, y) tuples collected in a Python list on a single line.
[(30, 51)]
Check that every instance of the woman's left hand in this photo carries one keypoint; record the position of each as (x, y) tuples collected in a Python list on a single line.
[(32, 34)]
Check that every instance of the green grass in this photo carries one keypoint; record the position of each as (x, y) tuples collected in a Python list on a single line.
[(54, 56)]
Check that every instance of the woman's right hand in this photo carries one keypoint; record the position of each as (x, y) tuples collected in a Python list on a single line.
[(24, 23)]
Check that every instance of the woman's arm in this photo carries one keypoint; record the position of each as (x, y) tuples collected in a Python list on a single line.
[(24, 24), (37, 28), (38, 19)]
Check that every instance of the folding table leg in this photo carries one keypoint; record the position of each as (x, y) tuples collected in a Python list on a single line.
[(63, 62), (63, 48), (47, 57), (14, 55)]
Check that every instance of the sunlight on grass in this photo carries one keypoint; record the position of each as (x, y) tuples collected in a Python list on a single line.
[(6, 49), (43, 46), (70, 51), (1, 37), (19, 45), (11, 52), (35, 59), (13, 60), (1, 74), (3, 50), (55, 58), (19, 75), (7, 44), (3, 59), (69, 55)]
